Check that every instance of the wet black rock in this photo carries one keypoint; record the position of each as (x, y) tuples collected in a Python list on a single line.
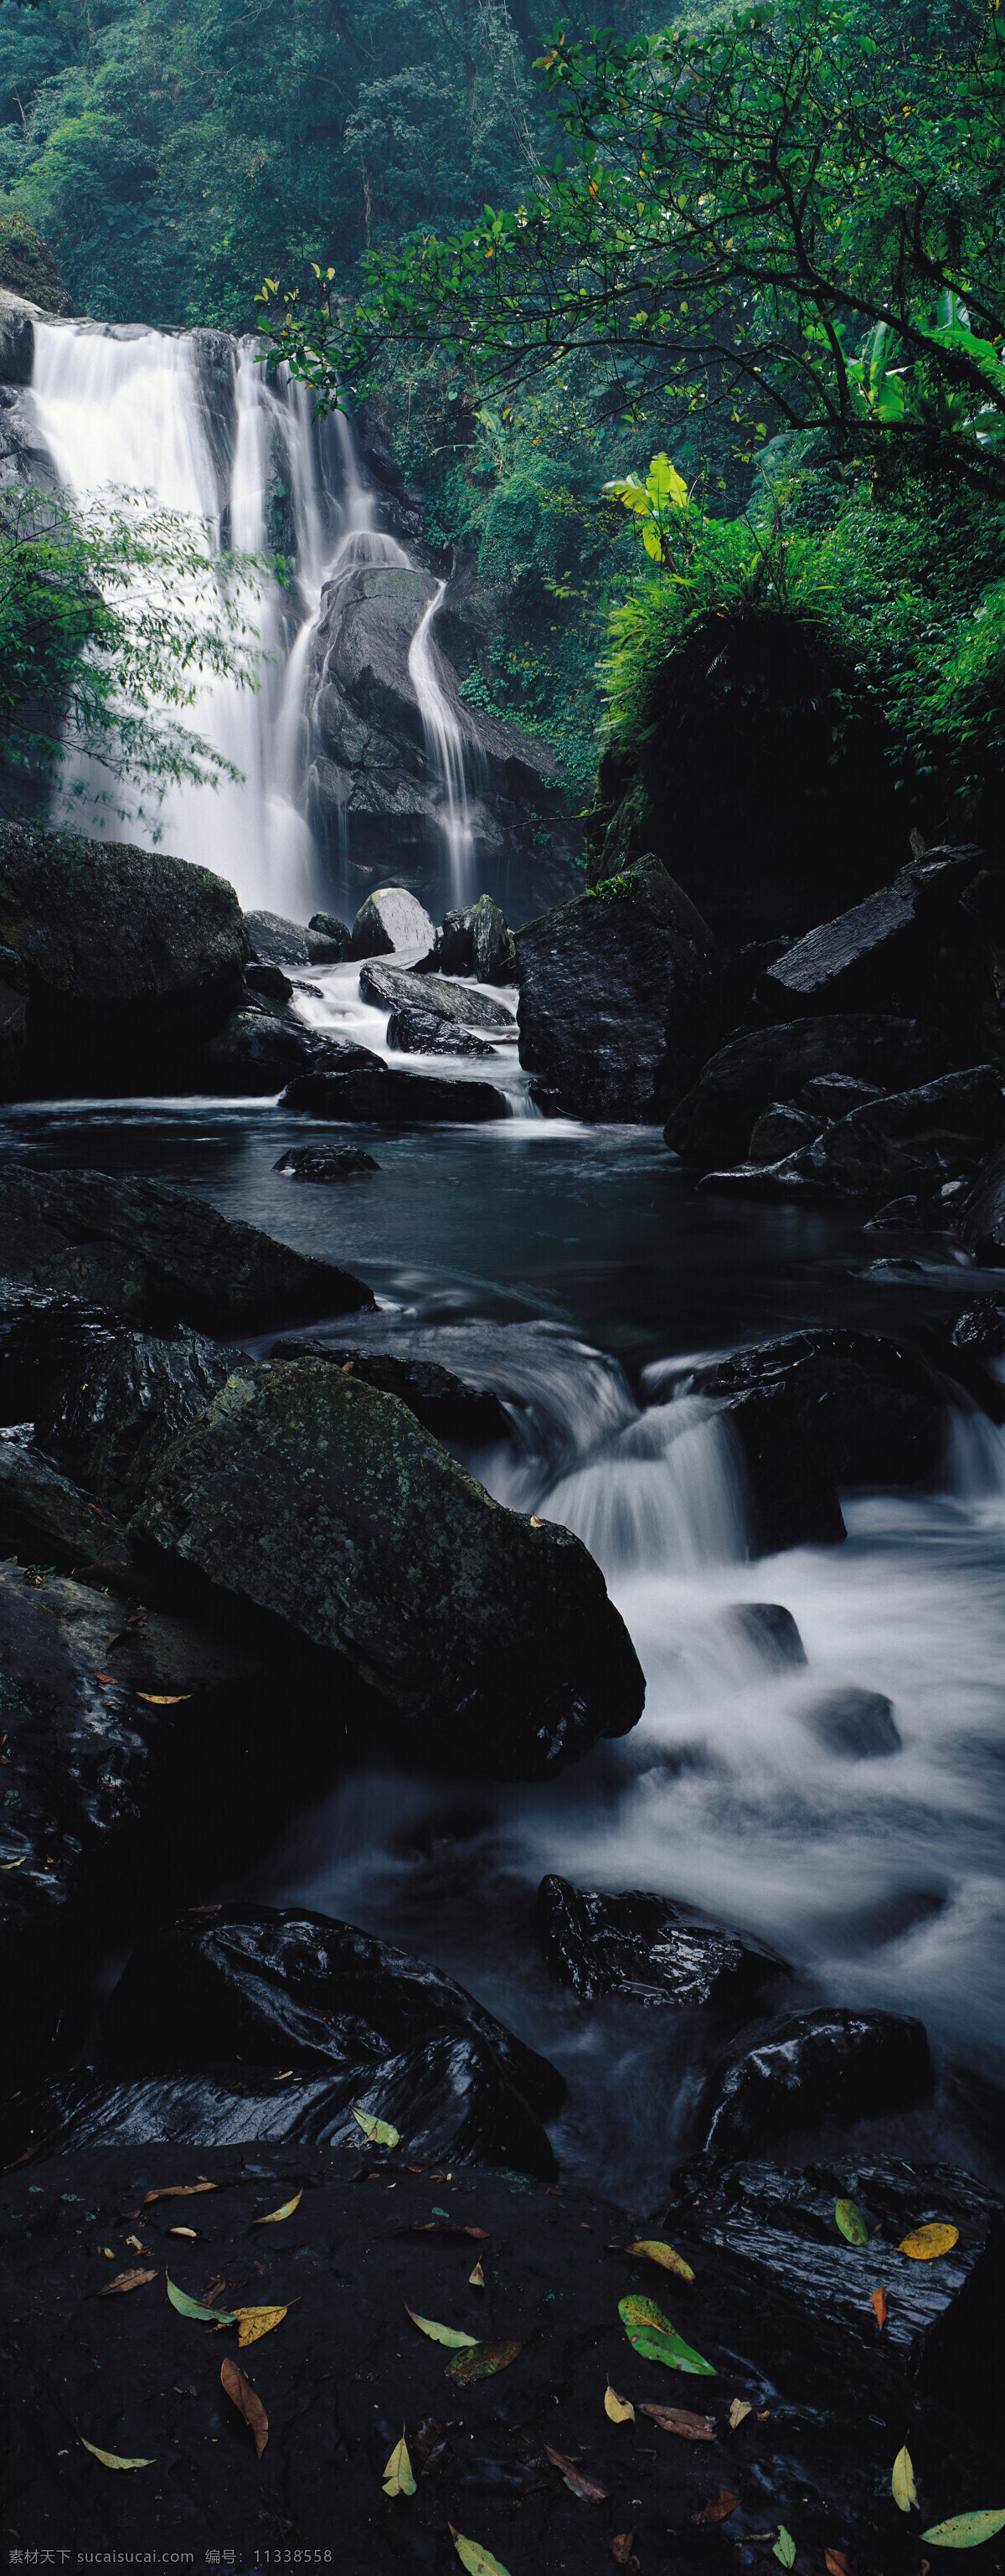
[(274, 941), (713, 1124), (132, 959), (306, 1496), (982, 1212), (417, 1032), (647, 1950), (381, 1096), (882, 952), (942, 2323), (391, 919), (981, 1327), (771, 1630), (912, 1138), (477, 941), (856, 1724), (284, 1987), (781, 1129), (331, 941), (398, 988), (158, 1255), (829, 2408), (13, 1022), (270, 982), (618, 997), (835, 1095), (446, 2095), (807, 2070), (468, 1415), (325, 1163), (109, 1418), (260, 1050), (816, 1413), (44, 1518), (42, 1332)]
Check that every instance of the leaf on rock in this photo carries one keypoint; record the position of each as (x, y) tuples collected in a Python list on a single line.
[(851, 2222), (242, 2395), (252, 2323), (398, 2479), (272, 2216), (481, 2362), (675, 2419), (882, 2307), (967, 2530), (111, 2459), (651, 2334), (177, 2191), (621, 2547), (662, 2254), (379, 2132), (905, 2492), (925, 2243), (785, 2547), (160, 1699), (437, 2333), (620, 2409), (478, 2561), (738, 2413), (192, 2308), (126, 2281), (720, 2512), (577, 2484), (476, 2279)]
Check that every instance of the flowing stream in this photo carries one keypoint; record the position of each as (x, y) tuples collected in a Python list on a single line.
[(126, 410)]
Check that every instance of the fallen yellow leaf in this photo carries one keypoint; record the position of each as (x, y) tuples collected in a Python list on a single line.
[(620, 2409), (924, 2243), (663, 2255)]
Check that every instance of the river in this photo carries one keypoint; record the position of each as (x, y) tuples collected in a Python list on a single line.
[(574, 1270)]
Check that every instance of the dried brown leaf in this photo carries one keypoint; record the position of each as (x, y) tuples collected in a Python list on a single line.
[(177, 2191), (720, 2512), (621, 2547), (676, 2419), (242, 2395), (588, 2488), (836, 2563), (126, 2281), (882, 2307)]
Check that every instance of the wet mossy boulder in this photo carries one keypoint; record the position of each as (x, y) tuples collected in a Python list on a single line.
[(27, 266), (619, 998), (132, 959), (110, 1418), (323, 1504)]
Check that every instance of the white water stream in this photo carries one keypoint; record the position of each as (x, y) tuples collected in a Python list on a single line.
[(126, 412)]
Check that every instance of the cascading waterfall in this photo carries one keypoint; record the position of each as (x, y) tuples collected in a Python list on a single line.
[(125, 410)]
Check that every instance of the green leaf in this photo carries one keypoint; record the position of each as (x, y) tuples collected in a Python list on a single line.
[(191, 2308), (481, 2362), (379, 2132), (437, 2333), (272, 2215), (851, 2222), (478, 2561), (905, 2492), (398, 2479), (110, 2459), (652, 2334), (785, 2547), (967, 2530)]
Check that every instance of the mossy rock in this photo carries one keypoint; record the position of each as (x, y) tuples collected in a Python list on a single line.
[(27, 267)]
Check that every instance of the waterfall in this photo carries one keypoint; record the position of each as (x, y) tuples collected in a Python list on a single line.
[(124, 409)]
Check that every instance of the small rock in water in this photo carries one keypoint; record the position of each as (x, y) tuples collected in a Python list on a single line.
[(424, 1033), (780, 1130), (325, 1163), (330, 939), (771, 1629), (270, 981), (855, 1724), (477, 942), (902, 1215), (276, 941), (981, 1327), (806, 2069), (642, 1947), (391, 919)]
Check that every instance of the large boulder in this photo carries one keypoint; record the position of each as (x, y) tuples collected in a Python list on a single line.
[(258, 1051), (817, 1413), (383, 1097), (424, 1033), (44, 1517), (391, 919), (881, 954), (909, 1141), (282, 1987), (646, 1950), (809, 2069), (981, 1214), (275, 941), (319, 1501), (156, 1255), (395, 988), (617, 998), (470, 1415), (714, 1123), (477, 940), (111, 1417), (132, 959)]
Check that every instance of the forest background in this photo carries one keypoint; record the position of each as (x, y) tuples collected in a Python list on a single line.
[(808, 585)]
